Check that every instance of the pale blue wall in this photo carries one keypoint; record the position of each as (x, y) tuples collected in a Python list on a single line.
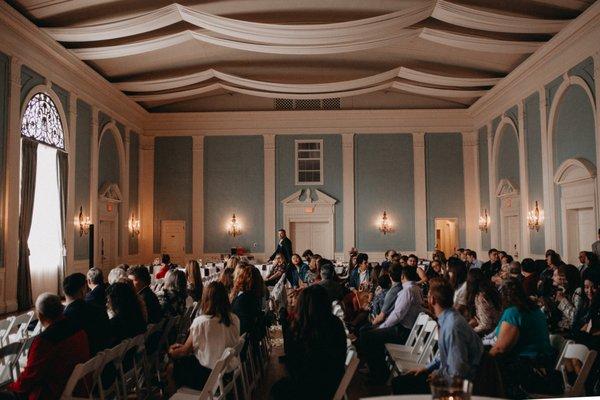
[(508, 156), (484, 183), (63, 96), (234, 183), (585, 70), (173, 185), (82, 172), (534, 166), (445, 182), (332, 174), (108, 161), (134, 159), (29, 79), (4, 91), (384, 180)]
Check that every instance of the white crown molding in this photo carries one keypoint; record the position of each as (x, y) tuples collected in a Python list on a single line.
[(25, 41), (577, 41), (303, 122)]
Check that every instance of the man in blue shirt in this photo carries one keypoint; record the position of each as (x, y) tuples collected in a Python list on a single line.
[(460, 349)]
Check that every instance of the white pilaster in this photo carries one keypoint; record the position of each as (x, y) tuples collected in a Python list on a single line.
[(12, 195), (198, 196), (547, 175), (525, 250), (71, 206), (597, 105), (494, 214), (94, 179), (420, 194), (270, 210), (348, 182), (146, 190), (125, 213), (471, 182)]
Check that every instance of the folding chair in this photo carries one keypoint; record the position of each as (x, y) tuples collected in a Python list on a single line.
[(351, 365), (19, 328), (415, 339), (5, 327), (9, 362), (86, 376), (586, 357), (131, 367), (111, 389), (238, 373)]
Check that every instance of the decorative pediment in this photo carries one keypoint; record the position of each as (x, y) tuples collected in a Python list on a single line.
[(309, 197), (506, 188), (574, 170), (110, 192)]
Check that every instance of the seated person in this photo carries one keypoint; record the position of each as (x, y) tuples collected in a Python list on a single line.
[(361, 275), (278, 270), (127, 319), (334, 289), (316, 352), (246, 298), (296, 272), (530, 277), (389, 255), (391, 295), (313, 274), (140, 276), (173, 295), (97, 293), (53, 355), (87, 316), (384, 283), (522, 348), (492, 266), (483, 302), (568, 297), (460, 349), (395, 328), (214, 330), (165, 266)]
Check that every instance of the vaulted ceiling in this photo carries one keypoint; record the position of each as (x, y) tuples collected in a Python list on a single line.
[(244, 54)]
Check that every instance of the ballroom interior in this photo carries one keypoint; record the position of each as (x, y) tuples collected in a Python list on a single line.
[(131, 129)]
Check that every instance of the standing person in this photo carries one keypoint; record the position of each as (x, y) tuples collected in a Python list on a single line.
[(460, 349), (284, 246), (140, 276), (97, 293), (214, 330), (53, 355), (316, 351), (596, 246)]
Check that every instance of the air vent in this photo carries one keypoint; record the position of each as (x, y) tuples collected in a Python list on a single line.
[(307, 104)]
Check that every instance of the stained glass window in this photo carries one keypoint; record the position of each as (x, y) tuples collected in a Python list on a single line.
[(41, 122)]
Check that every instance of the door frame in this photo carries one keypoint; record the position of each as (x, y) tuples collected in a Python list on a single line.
[(510, 206), (576, 181), (177, 256), (456, 231)]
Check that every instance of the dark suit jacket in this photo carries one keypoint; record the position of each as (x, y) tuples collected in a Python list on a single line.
[(155, 313), (93, 320), (284, 247), (97, 296)]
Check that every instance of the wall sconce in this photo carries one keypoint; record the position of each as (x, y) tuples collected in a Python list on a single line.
[(84, 223), (385, 225), (134, 225), (484, 221), (535, 218), (234, 229)]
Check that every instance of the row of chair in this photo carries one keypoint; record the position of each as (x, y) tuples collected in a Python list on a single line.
[(421, 347), (16, 328)]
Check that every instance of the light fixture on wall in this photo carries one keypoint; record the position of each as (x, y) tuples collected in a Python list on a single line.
[(84, 222), (535, 218), (484, 221), (385, 225), (234, 228), (134, 225)]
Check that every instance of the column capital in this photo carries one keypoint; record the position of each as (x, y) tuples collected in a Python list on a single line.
[(269, 141), (198, 143), (146, 142), (95, 111), (15, 70), (73, 104), (348, 139), (418, 139), (470, 138)]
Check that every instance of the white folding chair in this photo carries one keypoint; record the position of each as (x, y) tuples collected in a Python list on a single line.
[(415, 339), (586, 357), (351, 365), (214, 387), (132, 372), (19, 328), (422, 343), (9, 362), (5, 327), (88, 374), (238, 374), (425, 356), (112, 390)]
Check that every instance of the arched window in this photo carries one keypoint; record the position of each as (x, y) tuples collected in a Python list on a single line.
[(43, 203), (41, 122)]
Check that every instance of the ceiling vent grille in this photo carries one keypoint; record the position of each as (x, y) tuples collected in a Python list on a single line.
[(307, 104)]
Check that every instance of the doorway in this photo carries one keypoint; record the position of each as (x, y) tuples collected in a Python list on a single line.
[(511, 235), (108, 246), (172, 239), (446, 235), (581, 232), (311, 235)]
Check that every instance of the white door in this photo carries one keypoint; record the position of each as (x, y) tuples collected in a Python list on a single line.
[(172, 239), (106, 241), (512, 237), (315, 236), (446, 235), (581, 232)]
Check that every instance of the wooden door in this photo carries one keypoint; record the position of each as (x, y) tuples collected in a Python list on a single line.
[(172, 239)]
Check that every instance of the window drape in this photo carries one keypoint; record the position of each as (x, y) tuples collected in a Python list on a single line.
[(28, 181), (62, 165)]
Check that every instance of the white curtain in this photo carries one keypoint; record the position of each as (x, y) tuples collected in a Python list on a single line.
[(45, 241)]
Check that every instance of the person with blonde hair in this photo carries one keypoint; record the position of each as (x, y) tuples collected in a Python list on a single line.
[(246, 297), (232, 262), (194, 280)]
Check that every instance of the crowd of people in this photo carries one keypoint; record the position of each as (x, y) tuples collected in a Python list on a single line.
[(493, 317)]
